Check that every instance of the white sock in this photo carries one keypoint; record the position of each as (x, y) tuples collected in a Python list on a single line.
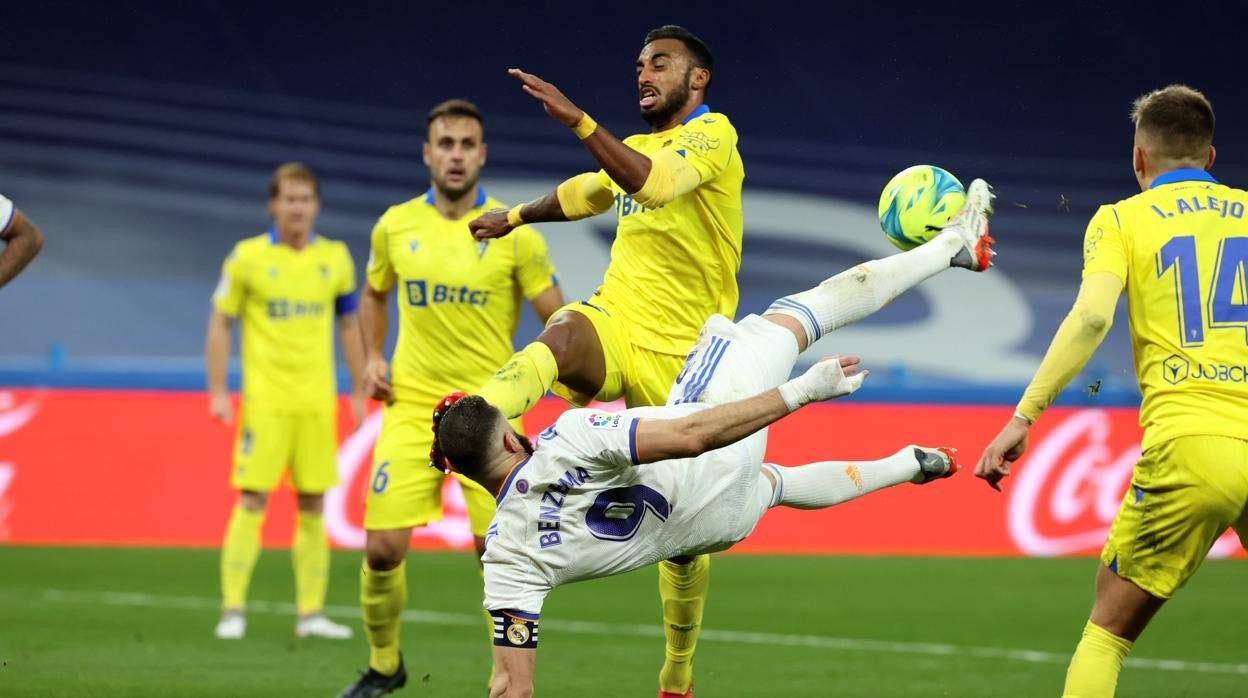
[(828, 483), (856, 293)]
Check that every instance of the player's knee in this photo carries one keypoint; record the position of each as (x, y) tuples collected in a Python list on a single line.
[(560, 337), (311, 503), (383, 550), (253, 501)]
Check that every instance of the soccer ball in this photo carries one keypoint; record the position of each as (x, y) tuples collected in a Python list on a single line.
[(916, 204)]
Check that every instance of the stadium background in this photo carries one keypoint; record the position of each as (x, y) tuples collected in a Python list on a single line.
[(140, 137)]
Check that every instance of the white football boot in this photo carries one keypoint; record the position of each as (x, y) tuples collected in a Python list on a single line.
[(320, 626), (232, 626), (971, 224)]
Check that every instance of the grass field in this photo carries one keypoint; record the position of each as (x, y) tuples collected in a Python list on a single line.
[(138, 622)]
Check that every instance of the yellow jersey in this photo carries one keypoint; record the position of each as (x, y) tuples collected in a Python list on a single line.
[(459, 300), (1181, 249), (674, 266), (287, 300)]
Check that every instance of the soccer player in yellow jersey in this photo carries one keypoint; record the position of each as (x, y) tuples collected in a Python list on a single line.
[(22, 241), (459, 304), (1179, 249), (286, 287), (676, 192)]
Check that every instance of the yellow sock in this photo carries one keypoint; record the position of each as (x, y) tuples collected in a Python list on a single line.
[(1093, 671), (310, 555), (382, 598), (522, 381), (239, 552), (683, 590)]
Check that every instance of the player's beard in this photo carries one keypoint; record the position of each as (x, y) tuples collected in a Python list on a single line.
[(457, 193), (661, 114)]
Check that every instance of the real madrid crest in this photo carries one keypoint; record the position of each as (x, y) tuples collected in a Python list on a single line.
[(518, 634)]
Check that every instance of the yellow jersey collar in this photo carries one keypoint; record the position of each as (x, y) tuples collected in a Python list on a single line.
[(1182, 175)]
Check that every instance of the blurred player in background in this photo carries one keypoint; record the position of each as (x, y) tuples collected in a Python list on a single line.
[(676, 192), (287, 286), (459, 304), (610, 492), (1180, 250), (22, 241)]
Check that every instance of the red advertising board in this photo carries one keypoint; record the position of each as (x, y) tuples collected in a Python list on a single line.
[(150, 468)]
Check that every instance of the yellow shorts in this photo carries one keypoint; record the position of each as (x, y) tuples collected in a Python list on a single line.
[(641, 376), (403, 490), (268, 442), (1184, 494)]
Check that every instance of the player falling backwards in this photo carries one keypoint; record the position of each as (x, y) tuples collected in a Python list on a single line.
[(676, 192), (1179, 249), (605, 493)]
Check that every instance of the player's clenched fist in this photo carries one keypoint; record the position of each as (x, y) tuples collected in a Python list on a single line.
[(559, 107), (835, 376), (219, 407), (491, 224)]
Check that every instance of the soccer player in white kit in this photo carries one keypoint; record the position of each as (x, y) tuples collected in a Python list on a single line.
[(604, 493)]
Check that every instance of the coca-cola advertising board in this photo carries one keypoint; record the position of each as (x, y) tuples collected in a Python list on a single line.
[(80, 467)]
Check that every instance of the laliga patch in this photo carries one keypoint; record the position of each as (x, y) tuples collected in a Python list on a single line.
[(514, 629), (606, 420)]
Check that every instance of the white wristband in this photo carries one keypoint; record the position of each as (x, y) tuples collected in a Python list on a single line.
[(1023, 417)]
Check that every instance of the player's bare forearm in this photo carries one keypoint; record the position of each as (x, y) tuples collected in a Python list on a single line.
[(374, 320), (513, 672), (709, 429), (545, 209), (626, 167), (217, 351), (22, 243), (353, 349)]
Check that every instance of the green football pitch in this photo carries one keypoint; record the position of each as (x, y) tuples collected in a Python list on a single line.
[(138, 622)]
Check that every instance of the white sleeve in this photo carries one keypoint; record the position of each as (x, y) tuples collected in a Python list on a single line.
[(600, 438), (511, 582), (7, 214)]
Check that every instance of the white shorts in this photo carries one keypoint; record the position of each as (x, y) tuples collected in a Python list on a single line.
[(732, 361)]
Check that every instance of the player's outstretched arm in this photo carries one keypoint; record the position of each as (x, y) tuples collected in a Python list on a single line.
[(1074, 343), (629, 168), (513, 672), (22, 242), (707, 430)]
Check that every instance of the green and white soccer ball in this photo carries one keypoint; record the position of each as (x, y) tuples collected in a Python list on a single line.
[(916, 204)]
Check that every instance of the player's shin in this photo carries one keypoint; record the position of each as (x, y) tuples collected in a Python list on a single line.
[(683, 589), (522, 381), (383, 594), (239, 552), (1094, 669), (856, 293), (309, 552), (828, 483)]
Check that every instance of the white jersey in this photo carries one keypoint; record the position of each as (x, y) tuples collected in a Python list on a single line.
[(580, 507), (7, 214)]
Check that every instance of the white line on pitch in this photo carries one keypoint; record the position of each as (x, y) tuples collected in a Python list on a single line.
[(740, 637)]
